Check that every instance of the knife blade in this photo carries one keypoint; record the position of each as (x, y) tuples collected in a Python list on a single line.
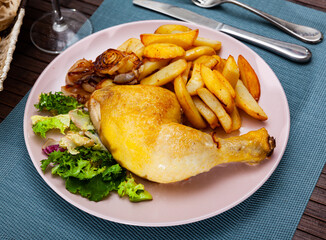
[(287, 50)]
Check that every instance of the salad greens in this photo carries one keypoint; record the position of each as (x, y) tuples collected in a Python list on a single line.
[(81, 119), (72, 140), (42, 124), (80, 158), (57, 103)]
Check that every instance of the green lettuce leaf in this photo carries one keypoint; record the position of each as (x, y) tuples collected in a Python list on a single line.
[(85, 165), (72, 140), (94, 174), (98, 187), (95, 189), (135, 192), (42, 124), (57, 103), (81, 119)]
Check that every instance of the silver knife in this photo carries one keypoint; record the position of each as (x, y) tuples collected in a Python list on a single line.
[(290, 51)]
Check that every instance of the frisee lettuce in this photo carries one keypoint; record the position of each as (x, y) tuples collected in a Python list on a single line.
[(43, 124), (57, 103), (135, 192), (94, 174)]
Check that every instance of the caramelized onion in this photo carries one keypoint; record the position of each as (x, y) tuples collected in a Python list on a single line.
[(78, 72), (113, 61), (77, 92), (124, 78)]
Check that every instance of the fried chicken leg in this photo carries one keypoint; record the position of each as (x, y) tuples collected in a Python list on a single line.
[(141, 126)]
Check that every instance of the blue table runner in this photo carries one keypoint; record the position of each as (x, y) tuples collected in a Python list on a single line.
[(29, 209)]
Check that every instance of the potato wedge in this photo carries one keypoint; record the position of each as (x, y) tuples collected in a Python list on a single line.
[(214, 104), (166, 74), (170, 28), (104, 83), (133, 45), (206, 60), (163, 51), (186, 72), (220, 63), (196, 52), (231, 71), (184, 39), (249, 77), (226, 83), (200, 41), (245, 101), (217, 87), (206, 112), (187, 104), (149, 66), (195, 82), (236, 119)]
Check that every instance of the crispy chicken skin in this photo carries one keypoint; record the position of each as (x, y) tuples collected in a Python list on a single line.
[(141, 126)]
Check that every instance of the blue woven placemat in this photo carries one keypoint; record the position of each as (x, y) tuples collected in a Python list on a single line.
[(30, 209)]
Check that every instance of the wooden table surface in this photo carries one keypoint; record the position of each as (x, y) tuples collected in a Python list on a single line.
[(29, 62)]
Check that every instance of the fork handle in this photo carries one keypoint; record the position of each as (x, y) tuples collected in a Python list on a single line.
[(304, 33), (290, 51)]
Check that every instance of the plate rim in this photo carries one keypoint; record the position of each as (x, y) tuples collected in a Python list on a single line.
[(26, 125)]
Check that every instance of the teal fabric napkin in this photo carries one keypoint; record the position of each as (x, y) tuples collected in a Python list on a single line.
[(31, 209)]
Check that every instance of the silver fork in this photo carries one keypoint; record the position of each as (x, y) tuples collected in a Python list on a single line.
[(304, 33)]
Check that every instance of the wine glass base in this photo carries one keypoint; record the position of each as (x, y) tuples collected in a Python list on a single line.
[(51, 37)]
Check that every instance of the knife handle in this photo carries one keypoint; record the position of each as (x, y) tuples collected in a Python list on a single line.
[(290, 51), (304, 33)]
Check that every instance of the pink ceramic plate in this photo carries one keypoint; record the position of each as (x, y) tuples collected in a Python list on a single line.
[(201, 197)]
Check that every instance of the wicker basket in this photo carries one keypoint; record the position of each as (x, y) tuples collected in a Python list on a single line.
[(8, 45)]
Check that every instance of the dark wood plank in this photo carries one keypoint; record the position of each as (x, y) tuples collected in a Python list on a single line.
[(18, 73), (29, 63), (316, 210), (301, 235), (4, 111), (316, 4), (313, 226), (9, 99), (319, 195), (17, 87), (322, 180)]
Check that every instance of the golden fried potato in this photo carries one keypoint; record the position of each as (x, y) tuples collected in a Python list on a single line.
[(214, 104), (163, 51), (149, 66), (231, 71), (226, 83), (206, 60), (133, 45), (183, 39), (214, 83), (220, 63), (200, 41), (249, 77), (187, 104), (196, 52), (105, 83), (166, 74), (195, 82), (245, 101), (186, 72), (206, 112), (170, 28), (236, 119)]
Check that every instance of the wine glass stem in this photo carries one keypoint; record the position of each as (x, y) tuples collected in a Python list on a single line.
[(59, 23)]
